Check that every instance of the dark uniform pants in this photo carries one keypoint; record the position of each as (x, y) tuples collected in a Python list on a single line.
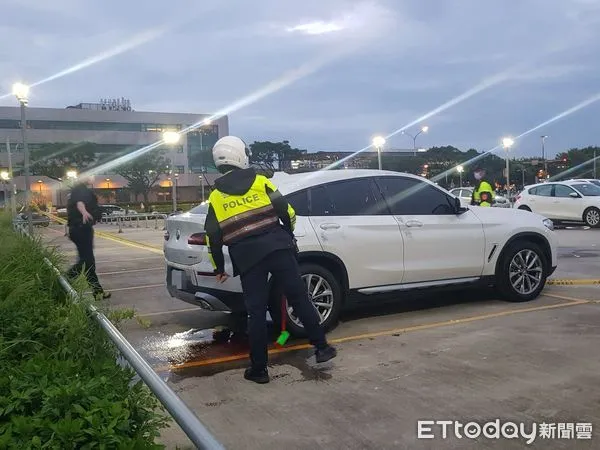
[(283, 267), (83, 238)]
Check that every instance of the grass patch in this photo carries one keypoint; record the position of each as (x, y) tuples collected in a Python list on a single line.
[(60, 384)]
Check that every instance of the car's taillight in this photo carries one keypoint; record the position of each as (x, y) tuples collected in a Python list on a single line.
[(197, 239), (167, 235)]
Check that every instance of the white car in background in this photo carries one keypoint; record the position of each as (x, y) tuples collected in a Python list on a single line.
[(465, 194), (563, 201), (365, 234)]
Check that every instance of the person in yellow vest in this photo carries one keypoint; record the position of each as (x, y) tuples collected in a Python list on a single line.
[(483, 194), (249, 215)]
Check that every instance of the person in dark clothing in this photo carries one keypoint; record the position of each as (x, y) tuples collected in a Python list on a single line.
[(82, 214), (250, 216)]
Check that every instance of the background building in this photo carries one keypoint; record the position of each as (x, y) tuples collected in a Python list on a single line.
[(115, 128)]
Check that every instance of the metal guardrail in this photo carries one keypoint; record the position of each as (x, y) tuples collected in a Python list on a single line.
[(125, 221), (187, 420), (130, 219)]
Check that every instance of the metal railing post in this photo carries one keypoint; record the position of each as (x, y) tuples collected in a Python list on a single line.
[(120, 222)]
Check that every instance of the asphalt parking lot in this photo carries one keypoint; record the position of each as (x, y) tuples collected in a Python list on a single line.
[(465, 356)]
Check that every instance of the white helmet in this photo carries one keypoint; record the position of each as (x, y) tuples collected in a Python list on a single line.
[(231, 151)]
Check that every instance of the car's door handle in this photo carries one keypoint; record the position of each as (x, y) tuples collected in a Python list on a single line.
[(414, 223), (329, 226)]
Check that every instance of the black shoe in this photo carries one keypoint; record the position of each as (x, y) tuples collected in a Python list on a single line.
[(325, 354), (102, 295), (258, 376)]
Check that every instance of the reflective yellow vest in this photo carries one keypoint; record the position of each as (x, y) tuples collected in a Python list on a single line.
[(241, 216), (483, 195)]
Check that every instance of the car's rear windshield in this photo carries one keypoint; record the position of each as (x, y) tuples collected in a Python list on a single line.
[(588, 189), (200, 209)]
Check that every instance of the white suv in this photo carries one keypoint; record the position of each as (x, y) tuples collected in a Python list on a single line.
[(363, 233)]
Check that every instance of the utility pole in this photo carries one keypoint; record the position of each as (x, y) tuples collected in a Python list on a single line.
[(26, 164)]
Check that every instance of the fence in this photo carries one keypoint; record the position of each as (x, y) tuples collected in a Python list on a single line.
[(187, 420)]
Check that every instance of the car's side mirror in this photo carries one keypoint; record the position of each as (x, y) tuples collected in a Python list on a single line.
[(458, 208), (574, 195)]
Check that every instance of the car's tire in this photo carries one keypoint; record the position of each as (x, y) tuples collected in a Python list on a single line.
[(591, 217), (522, 258), (525, 208), (326, 287)]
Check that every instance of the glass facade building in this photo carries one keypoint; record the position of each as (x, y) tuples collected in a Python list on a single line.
[(199, 149)]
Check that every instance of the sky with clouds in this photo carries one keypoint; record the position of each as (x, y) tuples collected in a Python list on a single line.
[(326, 75)]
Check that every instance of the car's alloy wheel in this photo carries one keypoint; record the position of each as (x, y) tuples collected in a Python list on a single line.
[(324, 291), (526, 272), (321, 295), (522, 271), (592, 217)]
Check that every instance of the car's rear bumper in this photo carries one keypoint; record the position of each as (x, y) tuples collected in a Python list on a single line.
[(206, 298)]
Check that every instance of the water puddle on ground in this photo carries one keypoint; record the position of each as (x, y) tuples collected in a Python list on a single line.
[(204, 353)]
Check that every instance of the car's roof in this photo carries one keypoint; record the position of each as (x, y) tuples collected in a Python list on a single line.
[(295, 182)]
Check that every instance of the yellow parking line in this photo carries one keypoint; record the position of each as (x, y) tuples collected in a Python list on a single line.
[(110, 237), (118, 272), (173, 311), (132, 288), (573, 282), (569, 302)]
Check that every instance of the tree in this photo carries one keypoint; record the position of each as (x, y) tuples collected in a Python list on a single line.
[(144, 171), (54, 159), (269, 155)]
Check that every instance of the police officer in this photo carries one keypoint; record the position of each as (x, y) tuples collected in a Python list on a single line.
[(483, 194), (250, 216)]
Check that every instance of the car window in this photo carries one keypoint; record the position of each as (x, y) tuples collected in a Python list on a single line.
[(200, 209), (345, 198), (299, 201), (407, 196), (560, 190), (588, 189), (542, 191)]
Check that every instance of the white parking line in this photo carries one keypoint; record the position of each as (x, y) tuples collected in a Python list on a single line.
[(118, 272)]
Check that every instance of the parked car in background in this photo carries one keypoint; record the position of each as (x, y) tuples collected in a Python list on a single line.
[(589, 180), (563, 201), (465, 194), (369, 234), (37, 219)]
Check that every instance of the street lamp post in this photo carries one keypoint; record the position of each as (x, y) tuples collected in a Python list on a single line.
[(13, 190), (378, 143), (543, 138), (174, 194), (21, 92), (507, 143), (5, 177), (423, 129), (460, 170)]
